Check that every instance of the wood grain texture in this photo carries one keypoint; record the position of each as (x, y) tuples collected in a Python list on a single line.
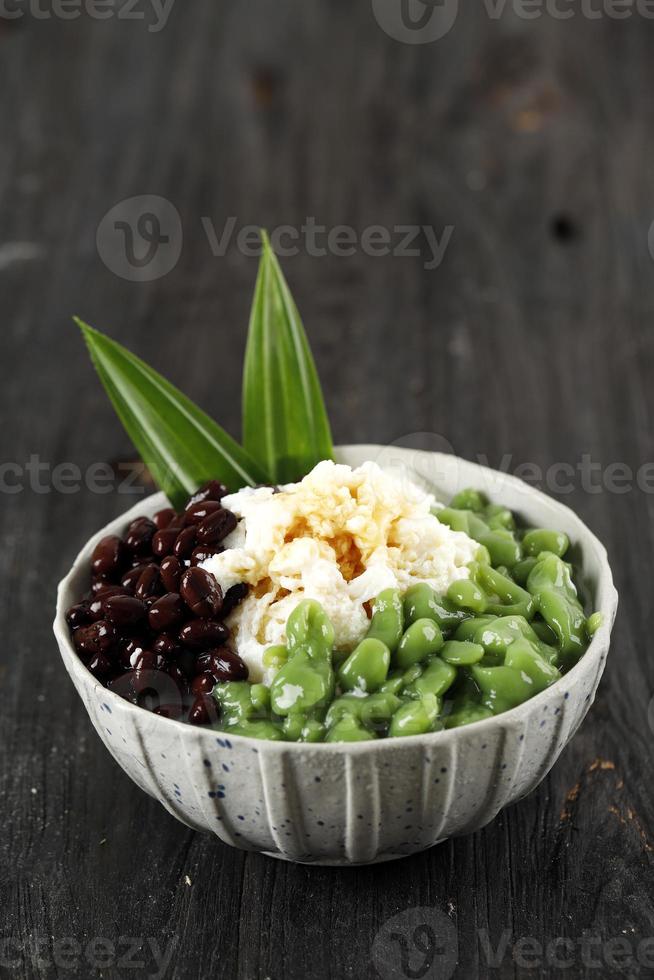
[(534, 140)]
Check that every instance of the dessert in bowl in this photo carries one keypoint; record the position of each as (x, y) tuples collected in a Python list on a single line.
[(396, 745), (332, 656)]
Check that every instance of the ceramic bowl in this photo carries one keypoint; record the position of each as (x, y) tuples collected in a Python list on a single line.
[(363, 802)]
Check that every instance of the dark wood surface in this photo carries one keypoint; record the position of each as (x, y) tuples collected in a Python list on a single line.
[(534, 139)]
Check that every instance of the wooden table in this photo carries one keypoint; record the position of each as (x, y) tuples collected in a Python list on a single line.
[(529, 343)]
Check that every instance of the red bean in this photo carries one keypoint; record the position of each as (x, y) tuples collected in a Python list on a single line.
[(166, 613), (131, 577), (139, 536), (124, 687), (185, 543), (185, 660), (124, 611), (201, 553), (163, 517), (233, 598), (167, 646), (223, 665), (95, 605), (99, 665), (179, 677), (109, 557), (144, 680), (171, 571), (201, 592), (148, 660), (215, 527), (95, 639), (196, 513), (163, 542), (130, 653), (173, 711), (108, 589), (149, 583), (140, 590), (79, 615), (201, 634), (203, 684), (157, 683), (203, 710), (98, 600), (213, 490)]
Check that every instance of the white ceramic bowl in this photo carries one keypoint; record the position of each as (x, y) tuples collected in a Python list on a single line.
[(362, 802)]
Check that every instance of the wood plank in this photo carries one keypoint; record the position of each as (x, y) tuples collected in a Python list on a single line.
[(533, 140)]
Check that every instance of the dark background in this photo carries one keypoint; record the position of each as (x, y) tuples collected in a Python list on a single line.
[(533, 338)]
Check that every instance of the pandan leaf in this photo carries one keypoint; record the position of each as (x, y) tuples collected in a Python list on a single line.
[(285, 423), (181, 446)]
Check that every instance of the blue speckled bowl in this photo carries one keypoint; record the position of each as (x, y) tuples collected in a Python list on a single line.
[(363, 802)]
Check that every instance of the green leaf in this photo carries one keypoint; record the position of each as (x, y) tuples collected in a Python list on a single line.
[(181, 446), (285, 423)]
